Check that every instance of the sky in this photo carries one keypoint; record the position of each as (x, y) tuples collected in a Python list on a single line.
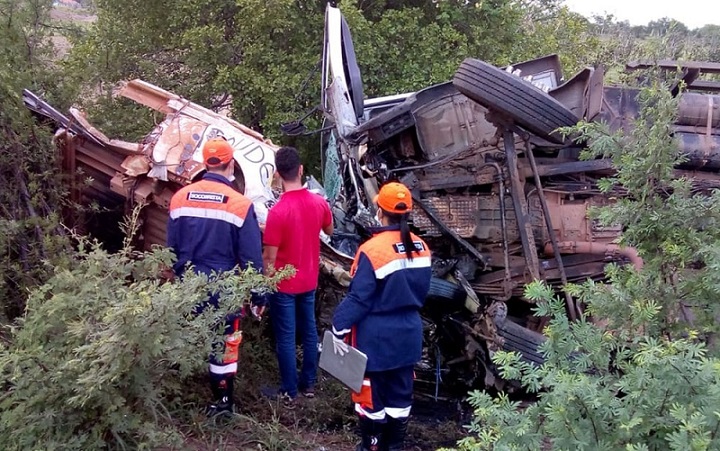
[(693, 13)]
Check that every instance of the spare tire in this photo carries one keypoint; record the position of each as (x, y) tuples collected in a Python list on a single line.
[(514, 97), (523, 341), (445, 295)]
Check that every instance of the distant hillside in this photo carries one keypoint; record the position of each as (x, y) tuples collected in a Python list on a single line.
[(64, 13)]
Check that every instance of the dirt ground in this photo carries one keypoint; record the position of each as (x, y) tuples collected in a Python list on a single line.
[(69, 17), (326, 422)]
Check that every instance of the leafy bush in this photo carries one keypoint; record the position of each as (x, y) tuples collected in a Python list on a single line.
[(105, 350), (31, 192), (599, 391), (645, 375)]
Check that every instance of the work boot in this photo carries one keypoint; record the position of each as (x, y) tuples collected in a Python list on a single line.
[(222, 391), (371, 432), (394, 433)]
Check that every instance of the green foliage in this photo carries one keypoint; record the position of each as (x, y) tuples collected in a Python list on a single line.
[(105, 351), (600, 391), (672, 222), (663, 39), (262, 58), (638, 369), (30, 188)]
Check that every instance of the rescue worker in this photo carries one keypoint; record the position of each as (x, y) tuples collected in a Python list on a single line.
[(213, 227), (391, 278)]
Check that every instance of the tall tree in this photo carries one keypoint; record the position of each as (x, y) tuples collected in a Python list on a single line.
[(263, 55)]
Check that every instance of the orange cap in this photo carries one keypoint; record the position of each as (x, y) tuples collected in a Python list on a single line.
[(394, 197), (216, 152)]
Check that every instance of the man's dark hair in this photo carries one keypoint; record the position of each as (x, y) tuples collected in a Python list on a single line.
[(287, 162), (220, 167)]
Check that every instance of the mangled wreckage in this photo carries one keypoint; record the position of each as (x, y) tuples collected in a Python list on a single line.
[(169, 157), (500, 197)]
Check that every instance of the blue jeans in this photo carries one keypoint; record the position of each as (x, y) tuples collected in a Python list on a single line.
[(289, 311)]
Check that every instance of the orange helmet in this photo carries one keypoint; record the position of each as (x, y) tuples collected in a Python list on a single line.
[(217, 152), (394, 197)]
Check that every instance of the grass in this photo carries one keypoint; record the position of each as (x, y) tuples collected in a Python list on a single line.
[(325, 422)]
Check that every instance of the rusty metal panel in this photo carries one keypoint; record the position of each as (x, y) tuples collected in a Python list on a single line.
[(154, 231), (620, 108), (572, 93), (460, 174), (700, 150), (705, 85), (570, 219), (699, 110), (458, 212), (451, 124), (489, 224), (547, 68), (476, 216), (703, 66)]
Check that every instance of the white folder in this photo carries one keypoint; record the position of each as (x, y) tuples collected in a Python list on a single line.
[(348, 369)]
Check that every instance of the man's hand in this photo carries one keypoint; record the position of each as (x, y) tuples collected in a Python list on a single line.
[(257, 311), (339, 346), (167, 274), (258, 302), (269, 258)]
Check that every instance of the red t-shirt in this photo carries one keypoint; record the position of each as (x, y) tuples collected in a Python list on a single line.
[(293, 226)]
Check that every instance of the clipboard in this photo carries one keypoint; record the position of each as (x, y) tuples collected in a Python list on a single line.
[(348, 369)]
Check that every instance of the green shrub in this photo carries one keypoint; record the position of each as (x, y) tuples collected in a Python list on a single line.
[(598, 391), (105, 350), (32, 192)]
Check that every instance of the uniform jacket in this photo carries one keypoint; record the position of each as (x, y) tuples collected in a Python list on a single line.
[(214, 227), (384, 299)]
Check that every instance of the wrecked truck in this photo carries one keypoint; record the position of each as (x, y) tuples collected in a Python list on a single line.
[(115, 175), (499, 195)]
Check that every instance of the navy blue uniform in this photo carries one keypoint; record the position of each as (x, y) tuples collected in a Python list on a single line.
[(214, 227), (382, 311)]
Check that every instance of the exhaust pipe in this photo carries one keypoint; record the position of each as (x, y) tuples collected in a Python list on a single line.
[(585, 247)]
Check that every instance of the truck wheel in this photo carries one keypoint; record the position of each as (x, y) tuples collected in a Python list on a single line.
[(514, 97), (444, 289), (523, 341), (444, 296)]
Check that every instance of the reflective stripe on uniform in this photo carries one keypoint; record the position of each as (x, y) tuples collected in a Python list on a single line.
[(400, 264), (207, 213), (224, 369), (375, 416), (396, 412)]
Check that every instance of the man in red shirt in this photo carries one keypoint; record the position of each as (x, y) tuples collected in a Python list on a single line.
[(292, 237)]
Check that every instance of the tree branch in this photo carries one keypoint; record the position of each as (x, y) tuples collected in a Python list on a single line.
[(592, 421)]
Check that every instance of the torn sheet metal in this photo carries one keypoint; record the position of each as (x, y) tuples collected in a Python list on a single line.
[(174, 147), (117, 174)]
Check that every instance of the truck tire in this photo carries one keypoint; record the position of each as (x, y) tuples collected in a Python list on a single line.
[(514, 97), (444, 296), (444, 289), (523, 341)]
